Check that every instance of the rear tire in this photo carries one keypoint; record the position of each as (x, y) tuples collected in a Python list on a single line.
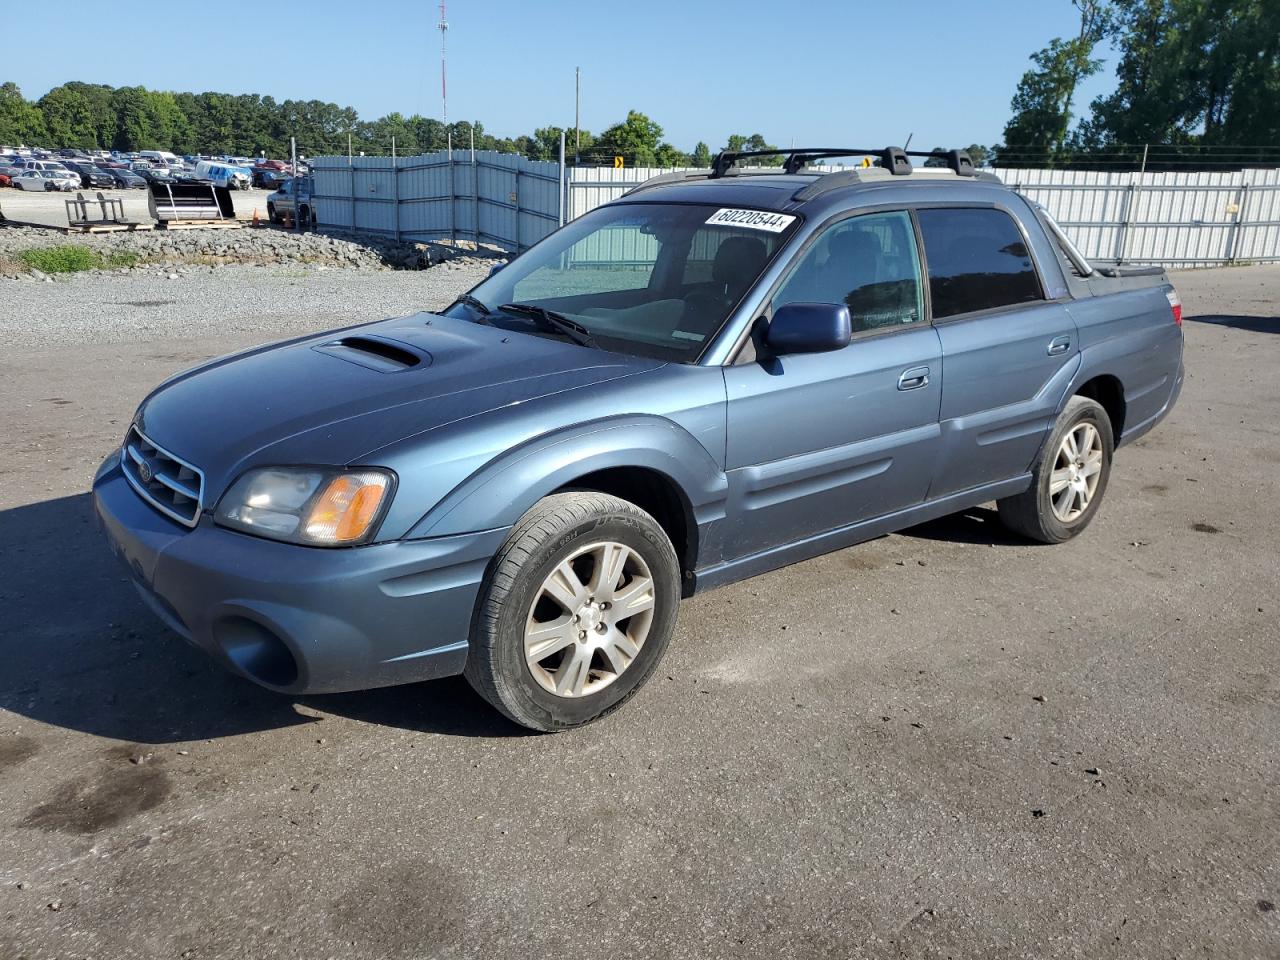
[(575, 612), (1069, 478)]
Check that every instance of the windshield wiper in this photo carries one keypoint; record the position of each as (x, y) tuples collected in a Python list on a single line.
[(471, 301), (555, 322)]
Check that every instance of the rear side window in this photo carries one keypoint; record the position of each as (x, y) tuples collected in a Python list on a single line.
[(977, 260)]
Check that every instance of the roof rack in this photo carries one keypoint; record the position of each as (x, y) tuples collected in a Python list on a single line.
[(893, 159), (889, 162), (959, 161)]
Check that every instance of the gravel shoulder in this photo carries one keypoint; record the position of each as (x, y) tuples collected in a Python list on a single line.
[(224, 301), (943, 743)]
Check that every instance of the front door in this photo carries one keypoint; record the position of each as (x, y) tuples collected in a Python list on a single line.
[(821, 441)]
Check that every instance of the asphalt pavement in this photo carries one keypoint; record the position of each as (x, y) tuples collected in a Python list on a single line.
[(943, 743)]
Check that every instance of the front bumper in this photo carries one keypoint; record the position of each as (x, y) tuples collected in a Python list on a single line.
[(301, 619)]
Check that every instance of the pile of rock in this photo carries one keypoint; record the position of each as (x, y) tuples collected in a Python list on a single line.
[(261, 245)]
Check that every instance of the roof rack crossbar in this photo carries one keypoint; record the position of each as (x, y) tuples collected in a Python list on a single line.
[(959, 161), (892, 159)]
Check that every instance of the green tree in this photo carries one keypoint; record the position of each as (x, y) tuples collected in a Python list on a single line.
[(545, 143), (636, 139), (168, 124), (133, 122), (701, 155), (738, 143), (1042, 103), (21, 122), (1199, 72), (78, 115), (979, 154), (668, 156), (380, 133), (429, 133)]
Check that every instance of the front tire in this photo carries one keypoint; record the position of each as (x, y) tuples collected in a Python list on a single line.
[(1069, 478), (575, 612)]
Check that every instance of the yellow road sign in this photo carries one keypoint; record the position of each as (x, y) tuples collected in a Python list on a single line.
[(617, 163), (866, 161)]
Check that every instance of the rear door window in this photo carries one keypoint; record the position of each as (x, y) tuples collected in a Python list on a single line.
[(977, 260)]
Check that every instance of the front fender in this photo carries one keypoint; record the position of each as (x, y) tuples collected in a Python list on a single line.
[(499, 493)]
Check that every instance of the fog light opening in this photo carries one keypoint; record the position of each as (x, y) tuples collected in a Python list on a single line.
[(256, 651)]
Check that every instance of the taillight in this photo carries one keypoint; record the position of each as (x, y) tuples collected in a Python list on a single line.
[(1175, 305)]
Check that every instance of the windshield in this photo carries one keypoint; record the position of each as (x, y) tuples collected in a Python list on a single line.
[(655, 279)]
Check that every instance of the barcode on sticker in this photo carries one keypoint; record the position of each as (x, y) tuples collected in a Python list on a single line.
[(751, 219)]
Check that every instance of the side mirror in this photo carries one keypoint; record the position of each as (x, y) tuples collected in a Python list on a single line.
[(809, 328)]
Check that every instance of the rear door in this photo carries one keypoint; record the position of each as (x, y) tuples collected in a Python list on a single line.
[(1009, 345), (821, 441)]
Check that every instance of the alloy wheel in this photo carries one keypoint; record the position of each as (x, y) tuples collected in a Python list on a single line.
[(1076, 471), (589, 619)]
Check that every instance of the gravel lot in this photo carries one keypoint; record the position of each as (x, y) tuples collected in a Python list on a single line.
[(943, 743), (238, 304)]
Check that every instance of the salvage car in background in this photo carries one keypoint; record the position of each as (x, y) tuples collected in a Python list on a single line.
[(711, 377), (47, 180), (124, 179), (266, 178), (90, 176), (294, 194), (223, 174)]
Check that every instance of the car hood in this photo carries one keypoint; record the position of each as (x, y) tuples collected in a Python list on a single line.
[(337, 397)]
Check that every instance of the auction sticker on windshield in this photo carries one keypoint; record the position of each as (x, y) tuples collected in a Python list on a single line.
[(751, 219)]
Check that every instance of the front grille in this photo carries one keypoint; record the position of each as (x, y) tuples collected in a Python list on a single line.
[(171, 485)]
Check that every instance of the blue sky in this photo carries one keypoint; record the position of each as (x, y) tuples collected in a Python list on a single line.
[(823, 72)]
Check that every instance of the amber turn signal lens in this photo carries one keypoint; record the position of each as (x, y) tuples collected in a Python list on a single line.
[(346, 507)]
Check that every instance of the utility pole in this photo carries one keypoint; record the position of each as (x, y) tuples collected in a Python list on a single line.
[(577, 115), (443, 27), (293, 181)]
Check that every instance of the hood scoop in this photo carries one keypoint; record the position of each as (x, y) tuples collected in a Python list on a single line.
[(375, 353)]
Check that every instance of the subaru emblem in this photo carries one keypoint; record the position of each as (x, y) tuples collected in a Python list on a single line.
[(145, 471)]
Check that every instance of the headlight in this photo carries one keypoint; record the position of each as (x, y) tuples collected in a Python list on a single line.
[(310, 505)]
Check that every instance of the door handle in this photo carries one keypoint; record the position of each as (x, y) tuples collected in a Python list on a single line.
[(1059, 346), (914, 379)]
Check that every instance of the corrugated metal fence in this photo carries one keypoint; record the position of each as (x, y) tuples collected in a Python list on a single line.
[(1171, 219), (495, 198)]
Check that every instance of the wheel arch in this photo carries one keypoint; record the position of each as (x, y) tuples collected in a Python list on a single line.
[(1107, 391), (649, 461), (658, 495)]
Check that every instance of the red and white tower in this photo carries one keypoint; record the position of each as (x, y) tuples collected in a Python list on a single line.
[(443, 26)]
